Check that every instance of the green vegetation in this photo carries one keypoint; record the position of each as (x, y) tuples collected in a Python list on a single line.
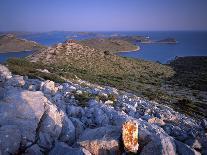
[(109, 44), (190, 72)]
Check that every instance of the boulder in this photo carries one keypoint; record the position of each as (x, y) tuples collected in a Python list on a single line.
[(183, 149), (62, 148), (10, 138), (103, 140), (16, 81), (24, 109), (160, 146), (101, 119), (50, 126), (49, 88), (33, 150), (79, 127), (5, 74), (68, 131), (130, 136), (74, 111), (157, 121)]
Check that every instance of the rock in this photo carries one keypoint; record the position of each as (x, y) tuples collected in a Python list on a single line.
[(79, 127), (33, 84), (103, 140), (68, 131), (16, 81), (2, 93), (183, 149), (5, 74), (194, 143), (24, 109), (49, 88), (50, 126), (33, 150), (163, 145), (157, 121), (130, 136), (101, 119), (204, 123), (62, 148), (10, 138), (45, 140), (74, 111)]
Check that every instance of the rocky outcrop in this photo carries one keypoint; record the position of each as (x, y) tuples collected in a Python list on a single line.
[(51, 118)]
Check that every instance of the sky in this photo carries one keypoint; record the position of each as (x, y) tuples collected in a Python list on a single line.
[(102, 15)]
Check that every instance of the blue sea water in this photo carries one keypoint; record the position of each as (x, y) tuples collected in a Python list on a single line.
[(190, 43), (6, 56)]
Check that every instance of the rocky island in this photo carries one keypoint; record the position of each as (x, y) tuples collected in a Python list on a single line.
[(10, 43)]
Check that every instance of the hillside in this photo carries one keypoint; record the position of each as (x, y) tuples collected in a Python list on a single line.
[(43, 117), (109, 44), (147, 79), (10, 43)]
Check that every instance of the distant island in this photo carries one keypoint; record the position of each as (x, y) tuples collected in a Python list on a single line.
[(110, 44), (10, 43)]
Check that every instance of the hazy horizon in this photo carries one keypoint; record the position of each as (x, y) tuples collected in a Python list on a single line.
[(107, 15)]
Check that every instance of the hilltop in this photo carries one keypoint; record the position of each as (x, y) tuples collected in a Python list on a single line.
[(10, 43)]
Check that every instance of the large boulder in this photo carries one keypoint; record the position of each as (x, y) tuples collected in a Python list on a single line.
[(24, 109), (183, 149), (5, 74), (62, 148), (49, 88), (50, 126), (103, 140), (16, 81), (10, 138), (33, 150), (68, 131)]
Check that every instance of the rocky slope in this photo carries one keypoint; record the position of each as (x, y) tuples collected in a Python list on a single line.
[(10, 43), (43, 117)]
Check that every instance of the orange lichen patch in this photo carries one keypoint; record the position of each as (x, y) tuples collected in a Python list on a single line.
[(130, 136)]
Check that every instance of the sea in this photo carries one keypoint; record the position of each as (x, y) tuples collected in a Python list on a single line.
[(190, 43)]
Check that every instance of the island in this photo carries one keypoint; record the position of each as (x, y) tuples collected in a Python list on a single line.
[(10, 43)]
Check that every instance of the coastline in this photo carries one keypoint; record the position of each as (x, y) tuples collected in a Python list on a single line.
[(137, 49)]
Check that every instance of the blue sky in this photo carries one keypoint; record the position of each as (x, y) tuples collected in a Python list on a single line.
[(102, 15)]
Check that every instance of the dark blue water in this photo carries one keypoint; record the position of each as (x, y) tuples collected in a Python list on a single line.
[(5, 56), (189, 44)]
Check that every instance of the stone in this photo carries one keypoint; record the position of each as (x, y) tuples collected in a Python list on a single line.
[(74, 111), (130, 136), (79, 127), (5, 74), (101, 119), (10, 138), (62, 148), (102, 140), (68, 131), (24, 109), (157, 146), (183, 149), (51, 123), (16, 81), (157, 121), (49, 88), (33, 150), (204, 123), (2, 93), (45, 140)]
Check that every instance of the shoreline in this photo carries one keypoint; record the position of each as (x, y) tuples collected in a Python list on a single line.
[(137, 49)]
